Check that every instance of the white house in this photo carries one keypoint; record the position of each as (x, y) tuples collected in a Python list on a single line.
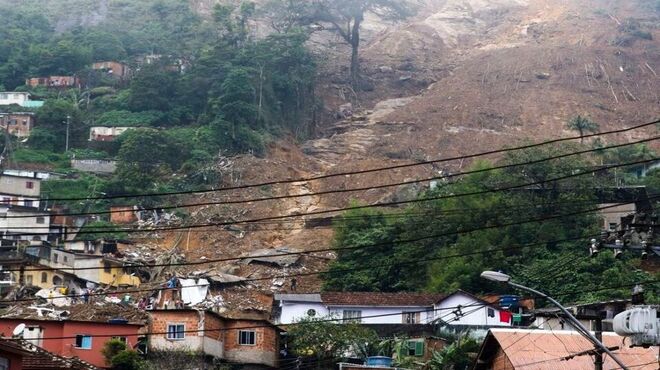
[(23, 223), (458, 308), (20, 190), (14, 97)]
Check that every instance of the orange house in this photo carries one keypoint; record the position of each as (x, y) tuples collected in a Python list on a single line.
[(19, 124), (54, 81), (72, 338), (237, 340)]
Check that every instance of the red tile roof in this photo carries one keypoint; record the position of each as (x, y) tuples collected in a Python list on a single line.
[(380, 299), (36, 358), (543, 350)]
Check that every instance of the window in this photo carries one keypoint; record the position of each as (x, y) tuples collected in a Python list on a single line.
[(247, 337), (41, 220), (411, 318), (44, 277), (83, 341), (4, 96), (29, 184), (28, 279), (176, 331), (311, 312), (30, 203), (56, 257), (491, 312), (4, 363), (415, 348), (66, 259), (613, 226), (107, 268), (352, 315)]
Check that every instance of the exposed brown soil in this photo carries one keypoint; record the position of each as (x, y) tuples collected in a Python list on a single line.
[(476, 75)]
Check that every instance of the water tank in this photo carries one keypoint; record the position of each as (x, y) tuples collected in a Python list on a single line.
[(379, 361), (509, 301), (118, 321), (640, 324)]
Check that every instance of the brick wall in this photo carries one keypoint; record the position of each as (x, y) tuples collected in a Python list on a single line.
[(501, 361), (122, 215), (264, 352), (161, 319), (213, 326)]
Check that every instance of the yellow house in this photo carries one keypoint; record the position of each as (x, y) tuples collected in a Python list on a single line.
[(59, 267), (115, 274), (41, 277)]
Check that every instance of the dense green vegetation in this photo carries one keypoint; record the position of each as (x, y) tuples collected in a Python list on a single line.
[(530, 251), (199, 87)]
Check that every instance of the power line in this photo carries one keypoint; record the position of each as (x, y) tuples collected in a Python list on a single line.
[(313, 178), (272, 277), (292, 275), (386, 204), (294, 324), (400, 215), (331, 320), (339, 191), (334, 249)]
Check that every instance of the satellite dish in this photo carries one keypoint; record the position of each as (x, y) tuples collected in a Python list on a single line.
[(19, 330)]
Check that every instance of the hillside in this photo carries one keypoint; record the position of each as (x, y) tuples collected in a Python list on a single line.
[(458, 77), (462, 77)]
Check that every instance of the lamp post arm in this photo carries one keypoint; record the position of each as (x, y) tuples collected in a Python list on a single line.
[(578, 325)]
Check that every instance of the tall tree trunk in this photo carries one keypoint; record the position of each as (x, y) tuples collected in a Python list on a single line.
[(355, 47)]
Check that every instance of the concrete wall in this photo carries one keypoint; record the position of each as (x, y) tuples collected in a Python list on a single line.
[(24, 223), (385, 315), (94, 165), (15, 185), (612, 216), (553, 323), (86, 262), (294, 311), (474, 314)]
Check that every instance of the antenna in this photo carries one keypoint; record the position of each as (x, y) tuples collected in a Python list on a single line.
[(18, 331)]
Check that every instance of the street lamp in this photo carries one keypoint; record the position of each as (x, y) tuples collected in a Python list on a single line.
[(504, 278)]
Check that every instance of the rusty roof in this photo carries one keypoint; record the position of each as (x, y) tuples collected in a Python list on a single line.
[(37, 358), (544, 350), (380, 299)]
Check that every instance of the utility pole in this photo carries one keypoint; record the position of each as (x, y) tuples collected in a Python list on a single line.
[(68, 123), (598, 357)]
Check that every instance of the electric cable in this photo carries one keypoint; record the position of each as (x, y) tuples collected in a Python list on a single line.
[(335, 249), (313, 178), (280, 325), (385, 204), (340, 191)]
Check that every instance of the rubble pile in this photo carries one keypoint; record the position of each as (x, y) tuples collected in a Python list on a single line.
[(99, 312)]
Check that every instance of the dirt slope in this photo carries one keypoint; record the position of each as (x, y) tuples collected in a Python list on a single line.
[(461, 77)]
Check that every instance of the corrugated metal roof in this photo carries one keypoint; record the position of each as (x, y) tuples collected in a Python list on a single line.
[(543, 350), (298, 297)]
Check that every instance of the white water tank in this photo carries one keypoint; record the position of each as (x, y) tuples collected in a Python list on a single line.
[(640, 324)]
